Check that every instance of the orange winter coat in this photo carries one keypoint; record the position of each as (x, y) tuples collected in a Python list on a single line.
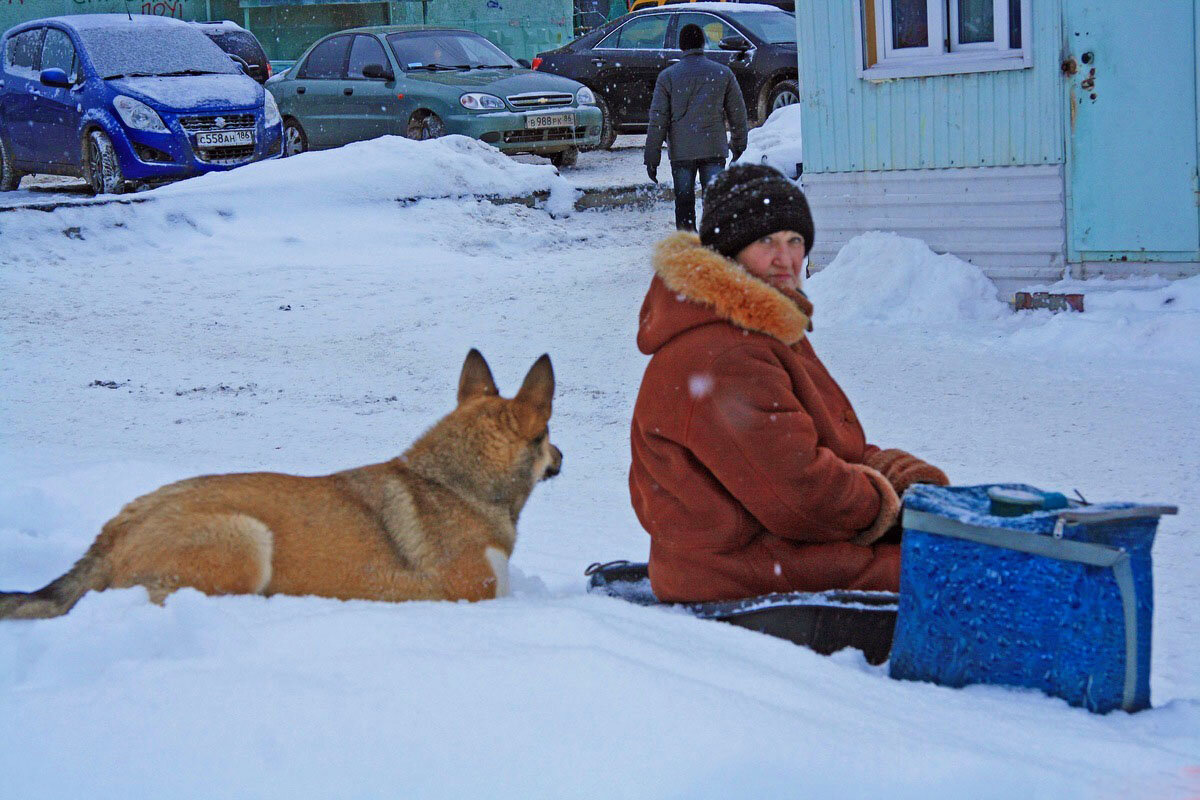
[(747, 457)]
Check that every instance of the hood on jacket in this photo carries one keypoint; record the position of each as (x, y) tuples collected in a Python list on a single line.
[(695, 286)]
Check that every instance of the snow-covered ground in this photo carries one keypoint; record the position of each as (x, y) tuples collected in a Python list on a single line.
[(319, 324)]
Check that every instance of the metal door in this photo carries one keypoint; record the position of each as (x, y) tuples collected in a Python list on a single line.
[(319, 99), (22, 90), (627, 63), (56, 118), (370, 105), (1130, 70)]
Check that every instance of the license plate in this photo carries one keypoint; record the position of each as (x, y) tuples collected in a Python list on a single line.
[(224, 138), (550, 121)]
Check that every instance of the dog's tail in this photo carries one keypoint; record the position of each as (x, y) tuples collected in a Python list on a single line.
[(60, 595)]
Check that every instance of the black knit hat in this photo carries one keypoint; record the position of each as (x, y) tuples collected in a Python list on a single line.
[(749, 201), (691, 37)]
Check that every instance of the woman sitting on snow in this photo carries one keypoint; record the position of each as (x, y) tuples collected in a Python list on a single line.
[(750, 470)]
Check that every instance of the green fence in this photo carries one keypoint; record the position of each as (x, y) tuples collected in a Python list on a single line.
[(522, 28)]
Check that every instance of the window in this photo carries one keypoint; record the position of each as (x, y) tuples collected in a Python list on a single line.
[(57, 51), (23, 55), (366, 50), (715, 29), (642, 33), (327, 60), (426, 49), (909, 38)]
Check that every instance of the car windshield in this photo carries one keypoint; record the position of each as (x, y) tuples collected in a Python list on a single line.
[(154, 50), (772, 26), (437, 50)]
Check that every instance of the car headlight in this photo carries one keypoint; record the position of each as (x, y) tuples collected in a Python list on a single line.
[(481, 102), (138, 115), (584, 97), (270, 110)]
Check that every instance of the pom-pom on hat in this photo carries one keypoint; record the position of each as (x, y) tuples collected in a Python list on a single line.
[(749, 201), (691, 37)]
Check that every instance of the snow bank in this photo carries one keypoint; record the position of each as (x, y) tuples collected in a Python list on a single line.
[(1120, 318), (778, 142), (883, 277), (387, 168)]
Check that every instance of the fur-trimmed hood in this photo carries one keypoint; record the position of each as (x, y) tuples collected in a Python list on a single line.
[(696, 286)]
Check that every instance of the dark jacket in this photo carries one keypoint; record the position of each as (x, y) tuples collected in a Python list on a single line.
[(747, 466), (692, 101)]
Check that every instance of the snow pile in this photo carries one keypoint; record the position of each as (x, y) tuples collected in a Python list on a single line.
[(777, 142), (315, 208), (387, 168), (883, 277), (1150, 318)]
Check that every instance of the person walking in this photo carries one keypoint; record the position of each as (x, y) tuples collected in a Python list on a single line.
[(692, 102)]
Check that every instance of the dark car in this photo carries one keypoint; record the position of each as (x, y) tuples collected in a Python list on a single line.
[(119, 99), (241, 43), (620, 61)]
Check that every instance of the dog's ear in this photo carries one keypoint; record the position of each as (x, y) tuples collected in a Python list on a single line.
[(476, 378), (538, 388)]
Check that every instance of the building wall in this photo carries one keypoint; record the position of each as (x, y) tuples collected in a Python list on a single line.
[(522, 28), (1008, 118), (1008, 221)]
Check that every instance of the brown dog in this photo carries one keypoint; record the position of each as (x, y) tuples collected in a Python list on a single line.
[(437, 523)]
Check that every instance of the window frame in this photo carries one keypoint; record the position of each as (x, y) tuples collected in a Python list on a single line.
[(877, 60), (10, 67), (620, 28), (301, 73), (387, 64), (73, 72), (678, 23)]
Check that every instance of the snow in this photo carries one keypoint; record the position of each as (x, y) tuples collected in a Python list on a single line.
[(777, 142), (123, 46), (187, 92), (311, 314)]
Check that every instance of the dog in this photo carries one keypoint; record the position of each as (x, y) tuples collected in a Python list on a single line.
[(437, 523)]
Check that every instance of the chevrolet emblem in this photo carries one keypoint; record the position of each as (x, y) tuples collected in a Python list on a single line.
[(541, 100)]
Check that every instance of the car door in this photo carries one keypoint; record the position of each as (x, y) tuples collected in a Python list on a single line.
[(372, 106), (627, 63), (57, 110), (318, 98), (22, 60), (715, 29)]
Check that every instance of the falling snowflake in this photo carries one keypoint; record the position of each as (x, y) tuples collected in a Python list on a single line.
[(700, 385)]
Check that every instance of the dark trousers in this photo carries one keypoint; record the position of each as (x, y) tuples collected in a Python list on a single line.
[(683, 174)]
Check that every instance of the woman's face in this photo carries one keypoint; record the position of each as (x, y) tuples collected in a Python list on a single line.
[(776, 259)]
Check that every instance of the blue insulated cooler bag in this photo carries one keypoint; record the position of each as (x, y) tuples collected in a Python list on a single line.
[(1058, 600)]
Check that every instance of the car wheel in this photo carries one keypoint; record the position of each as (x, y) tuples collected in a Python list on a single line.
[(10, 178), (103, 167), (608, 128), (424, 125), (784, 93), (294, 140), (565, 158)]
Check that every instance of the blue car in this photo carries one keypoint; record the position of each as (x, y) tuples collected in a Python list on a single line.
[(119, 100)]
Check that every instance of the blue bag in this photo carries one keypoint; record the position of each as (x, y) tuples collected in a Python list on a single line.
[(1059, 599)]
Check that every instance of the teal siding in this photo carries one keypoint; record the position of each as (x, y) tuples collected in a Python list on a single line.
[(1014, 117)]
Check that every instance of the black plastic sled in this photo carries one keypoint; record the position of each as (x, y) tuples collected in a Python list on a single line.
[(822, 621)]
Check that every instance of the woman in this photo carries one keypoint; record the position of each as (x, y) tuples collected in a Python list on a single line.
[(750, 470)]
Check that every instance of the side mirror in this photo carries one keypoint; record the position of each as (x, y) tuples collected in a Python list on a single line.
[(524, 62), (241, 62), (736, 43), (377, 72), (55, 77)]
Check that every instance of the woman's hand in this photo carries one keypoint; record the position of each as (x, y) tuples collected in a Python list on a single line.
[(903, 469)]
